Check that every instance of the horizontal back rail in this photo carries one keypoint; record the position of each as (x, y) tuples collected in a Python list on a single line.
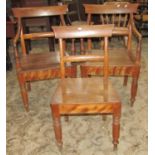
[(83, 31), (121, 31), (38, 35), (111, 8), (39, 11)]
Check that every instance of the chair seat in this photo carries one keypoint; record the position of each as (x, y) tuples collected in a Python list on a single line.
[(76, 93), (40, 61), (117, 57)]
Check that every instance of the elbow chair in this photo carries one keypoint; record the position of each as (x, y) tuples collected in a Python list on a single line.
[(125, 60), (37, 66)]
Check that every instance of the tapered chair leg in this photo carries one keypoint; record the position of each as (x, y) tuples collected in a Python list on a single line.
[(24, 93), (57, 125)]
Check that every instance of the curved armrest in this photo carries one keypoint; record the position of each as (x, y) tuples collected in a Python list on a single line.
[(136, 32), (139, 43), (15, 41)]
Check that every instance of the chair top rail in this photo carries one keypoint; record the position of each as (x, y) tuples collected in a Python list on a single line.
[(119, 8), (39, 11), (83, 31)]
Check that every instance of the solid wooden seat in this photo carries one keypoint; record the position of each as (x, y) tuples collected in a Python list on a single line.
[(39, 61), (83, 91), (36, 61), (126, 61), (37, 66), (75, 96), (117, 58)]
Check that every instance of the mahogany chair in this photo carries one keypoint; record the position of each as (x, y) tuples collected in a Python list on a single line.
[(37, 66), (124, 60), (77, 96)]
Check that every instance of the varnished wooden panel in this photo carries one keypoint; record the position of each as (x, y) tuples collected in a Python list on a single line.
[(37, 12), (84, 91), (111, 9), (82, 31)]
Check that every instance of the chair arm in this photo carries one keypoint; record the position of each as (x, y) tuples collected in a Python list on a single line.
[(136, 32), (139, 43), (15, 42)]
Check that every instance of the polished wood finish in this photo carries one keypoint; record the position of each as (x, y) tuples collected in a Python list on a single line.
[(43, 11), (37, 66), (78, 96), (124, 61)]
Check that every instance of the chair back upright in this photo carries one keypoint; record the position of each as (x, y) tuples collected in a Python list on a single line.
[(84, 31)]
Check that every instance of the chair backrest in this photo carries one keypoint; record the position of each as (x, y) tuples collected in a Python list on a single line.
[(84, 31), (32, 12), (118, 13)]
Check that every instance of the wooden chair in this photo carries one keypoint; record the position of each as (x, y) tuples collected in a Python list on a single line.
[(37, 66), (75, 96), (124, 61)]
